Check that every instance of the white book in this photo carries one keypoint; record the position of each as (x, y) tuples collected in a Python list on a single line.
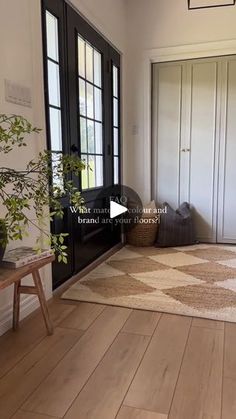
[(16, 258)]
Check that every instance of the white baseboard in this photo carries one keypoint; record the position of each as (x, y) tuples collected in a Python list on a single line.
[(28, 305)]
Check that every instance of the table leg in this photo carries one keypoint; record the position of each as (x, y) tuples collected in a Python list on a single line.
[(16, 305), (42, 300)]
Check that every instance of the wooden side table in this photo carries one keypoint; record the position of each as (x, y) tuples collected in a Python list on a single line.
[(14, 276)]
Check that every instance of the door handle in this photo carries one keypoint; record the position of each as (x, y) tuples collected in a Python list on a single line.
[(184, 150), (74, 149)]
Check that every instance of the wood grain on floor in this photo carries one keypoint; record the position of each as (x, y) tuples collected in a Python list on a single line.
[(200, 381), (110, 381), (28, 415), (14, 346), (142, 322), (83, 316), (211, 324), (132, 413), (19, 383), (117, 363), (229, 376), (154, 383), (53, 397)]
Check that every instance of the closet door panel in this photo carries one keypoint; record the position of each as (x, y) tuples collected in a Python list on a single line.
[(202, 175), (227, 178), (167, 132)]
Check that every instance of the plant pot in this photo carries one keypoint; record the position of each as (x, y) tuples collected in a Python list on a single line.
[(3, 237)]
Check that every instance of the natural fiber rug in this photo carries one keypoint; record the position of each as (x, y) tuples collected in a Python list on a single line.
[(197, 280)]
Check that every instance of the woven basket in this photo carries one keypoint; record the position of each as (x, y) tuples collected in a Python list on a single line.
[(143, 233)]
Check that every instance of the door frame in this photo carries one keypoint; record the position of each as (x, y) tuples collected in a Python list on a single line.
[(168, 54)]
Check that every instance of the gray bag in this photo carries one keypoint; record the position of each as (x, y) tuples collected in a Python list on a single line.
[(176, 227)]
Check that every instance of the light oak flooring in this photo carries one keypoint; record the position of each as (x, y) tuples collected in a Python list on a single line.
[(111, 362)]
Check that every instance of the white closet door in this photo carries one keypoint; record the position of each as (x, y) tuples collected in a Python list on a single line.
[(194, 142), (202, 174), (227, 175), (167, 132)]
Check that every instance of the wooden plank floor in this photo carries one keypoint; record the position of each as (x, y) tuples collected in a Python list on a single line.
[(108, 362)]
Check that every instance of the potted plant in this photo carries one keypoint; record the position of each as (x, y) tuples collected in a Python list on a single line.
[(38, 188)]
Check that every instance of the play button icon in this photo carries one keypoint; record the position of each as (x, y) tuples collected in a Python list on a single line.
[(119, 207), (116, 209)]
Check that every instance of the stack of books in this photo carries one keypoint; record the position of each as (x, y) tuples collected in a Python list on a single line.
[(21, 256)]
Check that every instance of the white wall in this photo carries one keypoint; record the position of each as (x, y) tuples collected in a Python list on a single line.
[(108, 16), (156, 24), (22, 61)]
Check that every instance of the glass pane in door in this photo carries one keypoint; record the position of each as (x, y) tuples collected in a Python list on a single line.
[(81, 55), (55, 127), (97, 69), (89, 62), (90, 113), (52, 36), (54, 97), (116, 128)]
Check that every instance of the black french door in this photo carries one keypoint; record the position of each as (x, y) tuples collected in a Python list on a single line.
[(82, 91)]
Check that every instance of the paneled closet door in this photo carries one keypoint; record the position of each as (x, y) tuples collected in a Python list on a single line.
[(202, 144), (227, 173), (167, 105), (186, 97)]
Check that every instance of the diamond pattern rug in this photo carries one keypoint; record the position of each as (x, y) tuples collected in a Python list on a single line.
[(197, 280)]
